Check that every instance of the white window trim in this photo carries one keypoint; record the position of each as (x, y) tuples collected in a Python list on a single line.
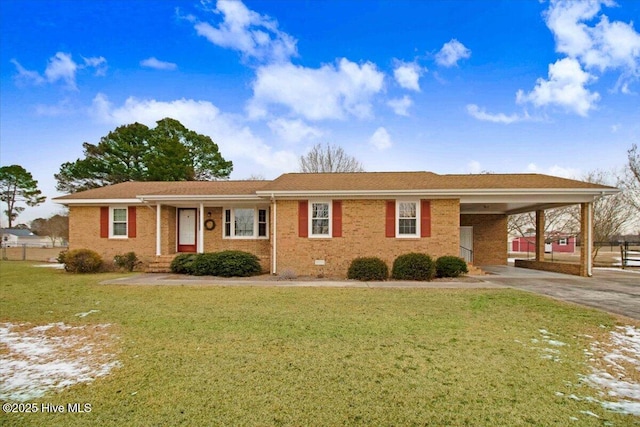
[(126, 211), (255, 223), (407, 236), (310, 216), (564, 241)]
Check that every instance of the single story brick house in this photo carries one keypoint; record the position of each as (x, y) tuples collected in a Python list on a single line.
[(317, 223)]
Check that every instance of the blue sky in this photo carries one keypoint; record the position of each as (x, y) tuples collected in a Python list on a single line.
[(445, 86)]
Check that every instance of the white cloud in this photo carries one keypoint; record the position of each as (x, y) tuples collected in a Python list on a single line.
[(604, 46), (381, 139), (235, 140), (481, 114), (293, 131), (156, 64), (255, 36), (27, 76), (407, 74), (565, 87), (474, 166), (328, 92), (452, 52), (61, 67), (97, 62), (401, 106), (554, 170)]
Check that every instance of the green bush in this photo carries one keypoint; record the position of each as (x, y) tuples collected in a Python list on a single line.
[(203, 265), (367, 269), (128, 261), (61, 256), (450, 266), (413, 266), (81, 261), (183, 264), (237, 263), (225, 264)]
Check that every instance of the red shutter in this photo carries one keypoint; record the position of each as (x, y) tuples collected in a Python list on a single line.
[(104, 221), (337, 218), (390, 224), (132, 221), (425, 218), (303, 218)]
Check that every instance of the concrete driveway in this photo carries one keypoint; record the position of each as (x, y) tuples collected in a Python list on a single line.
[(615, 291)]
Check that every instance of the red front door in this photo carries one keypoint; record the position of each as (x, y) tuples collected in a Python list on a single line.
[(187, 230)]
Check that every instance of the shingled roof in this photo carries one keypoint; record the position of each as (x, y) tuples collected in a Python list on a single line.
[(339, 183), (131, 190), (381, 181)]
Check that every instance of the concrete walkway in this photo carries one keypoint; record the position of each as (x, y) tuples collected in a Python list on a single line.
[(614, 291)]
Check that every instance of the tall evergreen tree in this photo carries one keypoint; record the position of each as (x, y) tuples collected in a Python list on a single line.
[(168, 152)]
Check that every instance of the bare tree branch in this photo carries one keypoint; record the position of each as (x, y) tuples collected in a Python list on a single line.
[(329, 158)]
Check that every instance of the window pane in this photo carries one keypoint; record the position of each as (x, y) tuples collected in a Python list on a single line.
[(119, 215), (120, 229), (262, 215), (407, 210), (244, 222), (262, 229), (227, 222), (406, 226), (320, 210), (320, 226)]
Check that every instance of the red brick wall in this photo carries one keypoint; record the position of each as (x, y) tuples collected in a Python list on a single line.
[(363, 234), (489, 238)]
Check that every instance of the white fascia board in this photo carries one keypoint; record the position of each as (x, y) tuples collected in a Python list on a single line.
[(98, 201), (200, 198), (469, 195)]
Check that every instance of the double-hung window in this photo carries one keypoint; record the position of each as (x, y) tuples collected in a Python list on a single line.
[(320, 219), (245, 223), (118, 222), (407, 217)]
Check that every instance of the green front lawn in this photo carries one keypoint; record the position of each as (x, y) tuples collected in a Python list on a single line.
[(315, 356)]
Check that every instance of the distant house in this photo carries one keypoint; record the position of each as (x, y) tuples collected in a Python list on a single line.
[(556, 242), (13, 237), (317, 223)]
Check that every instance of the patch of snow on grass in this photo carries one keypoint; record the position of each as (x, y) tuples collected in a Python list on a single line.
[(37, 359), (618, 374), (85, 314)]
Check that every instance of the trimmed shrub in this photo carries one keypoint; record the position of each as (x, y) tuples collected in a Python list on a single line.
[(203, 265), (61, 256), (223, 264), (128, 261), (82, 261), (413, 266), (450, 266), (183, 264), (236, 264), (367, 269)]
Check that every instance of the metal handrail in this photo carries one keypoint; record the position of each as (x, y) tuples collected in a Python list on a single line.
[(466, 251)]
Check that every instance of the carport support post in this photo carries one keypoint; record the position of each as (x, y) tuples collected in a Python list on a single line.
[(540, 235), (586, 238)]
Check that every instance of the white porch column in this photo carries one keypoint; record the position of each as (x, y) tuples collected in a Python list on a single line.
[(274, 247), (586, 236), (201, 229), (158, 229)]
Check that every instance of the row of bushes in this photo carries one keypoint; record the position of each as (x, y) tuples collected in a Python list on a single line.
[(412, 266), (223, 264), (88, 261)]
